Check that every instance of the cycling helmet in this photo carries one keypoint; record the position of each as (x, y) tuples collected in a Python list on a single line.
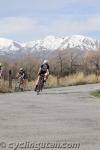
[(21, 69), (45, 61)]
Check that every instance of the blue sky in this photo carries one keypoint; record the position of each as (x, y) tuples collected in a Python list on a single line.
[(26, 20)]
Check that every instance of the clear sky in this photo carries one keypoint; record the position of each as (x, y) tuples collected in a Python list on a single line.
[(26, 20)]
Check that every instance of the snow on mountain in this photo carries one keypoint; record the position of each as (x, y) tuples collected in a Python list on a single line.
[(9, 46), (80, 42), (50, 43), (53, 43)]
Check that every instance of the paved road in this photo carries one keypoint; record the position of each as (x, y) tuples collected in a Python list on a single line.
[(63, 115)]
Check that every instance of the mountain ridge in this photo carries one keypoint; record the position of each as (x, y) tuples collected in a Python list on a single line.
[(49, 43)]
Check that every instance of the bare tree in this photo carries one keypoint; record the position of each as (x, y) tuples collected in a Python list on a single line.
[(93, 60)]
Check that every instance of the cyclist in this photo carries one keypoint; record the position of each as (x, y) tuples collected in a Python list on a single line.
[(22, 76), (21, 73), (44, 70)]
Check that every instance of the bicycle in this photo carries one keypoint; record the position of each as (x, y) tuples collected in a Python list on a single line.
[(40, 84), (19, 84)]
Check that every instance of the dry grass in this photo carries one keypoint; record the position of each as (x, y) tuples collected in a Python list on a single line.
[(53, 81), (4, 88), (75, 79)]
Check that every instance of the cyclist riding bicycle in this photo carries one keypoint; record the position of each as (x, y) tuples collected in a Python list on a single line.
[(21, 74), (22, 77), (44, 70)]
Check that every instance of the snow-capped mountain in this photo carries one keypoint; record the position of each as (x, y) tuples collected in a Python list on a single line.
[(50, 43), (9, 46), (54, 43), (80, 42)]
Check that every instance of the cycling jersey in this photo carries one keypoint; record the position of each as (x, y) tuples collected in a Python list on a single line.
[(44, 69), (22, 73)]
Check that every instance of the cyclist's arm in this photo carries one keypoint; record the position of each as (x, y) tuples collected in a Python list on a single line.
[(47, 71), (17, 76), (39, 71)]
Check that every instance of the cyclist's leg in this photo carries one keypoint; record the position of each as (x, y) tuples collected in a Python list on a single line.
[(36, 85), (46, 76), (23, 85)]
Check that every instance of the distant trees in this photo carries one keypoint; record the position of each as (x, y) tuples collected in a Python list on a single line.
[(92, 61), (29, 63), (62, 63), (66, 62)]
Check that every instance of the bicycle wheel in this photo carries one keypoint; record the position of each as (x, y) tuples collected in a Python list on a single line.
[(40, 84)]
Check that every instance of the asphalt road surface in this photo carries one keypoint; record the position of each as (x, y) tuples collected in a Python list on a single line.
[(68, 115)]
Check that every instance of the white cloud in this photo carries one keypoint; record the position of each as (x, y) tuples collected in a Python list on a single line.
[(29, 28), (13, 25), (71, 26)]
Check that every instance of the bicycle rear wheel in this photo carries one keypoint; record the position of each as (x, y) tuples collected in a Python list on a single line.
[(40, 84)]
